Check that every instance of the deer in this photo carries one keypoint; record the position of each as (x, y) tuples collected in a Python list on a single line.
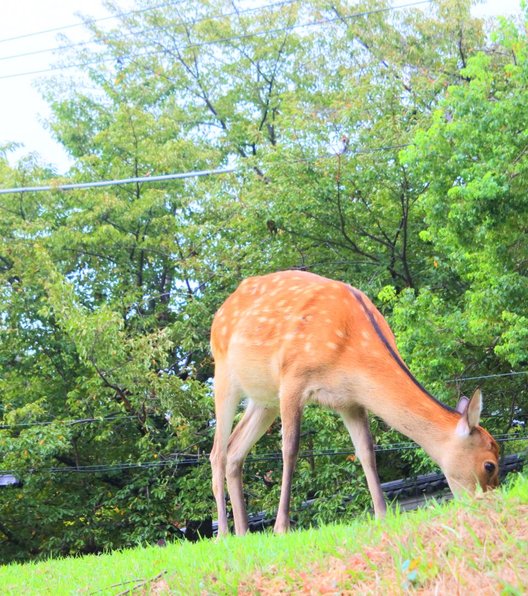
[(290, 338)]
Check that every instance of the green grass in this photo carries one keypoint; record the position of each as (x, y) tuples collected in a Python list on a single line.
[(445, 548)]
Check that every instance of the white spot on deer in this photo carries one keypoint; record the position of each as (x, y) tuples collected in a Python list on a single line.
[(331, 345)]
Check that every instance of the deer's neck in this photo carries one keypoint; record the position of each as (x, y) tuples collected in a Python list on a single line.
[(396, 396), (410, 410)]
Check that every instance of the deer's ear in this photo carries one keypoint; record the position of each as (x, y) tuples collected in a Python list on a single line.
[(462, 404), (470, 411), (474, 409)]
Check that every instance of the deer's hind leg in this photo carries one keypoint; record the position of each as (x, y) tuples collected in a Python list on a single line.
[(227, 398)]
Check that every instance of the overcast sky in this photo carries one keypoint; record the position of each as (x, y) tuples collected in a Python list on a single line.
[(22, 111)]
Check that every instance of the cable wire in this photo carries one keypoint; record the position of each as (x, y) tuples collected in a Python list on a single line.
[(188, 459), (181, 175), (113, 417), (117, 182), (232, 38), (72, 422), (143, 31), (98, 20), (492, 376)]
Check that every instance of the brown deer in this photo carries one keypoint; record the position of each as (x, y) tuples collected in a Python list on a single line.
[(289, 338)]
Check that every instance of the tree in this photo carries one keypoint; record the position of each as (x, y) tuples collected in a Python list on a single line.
[(475, 217)]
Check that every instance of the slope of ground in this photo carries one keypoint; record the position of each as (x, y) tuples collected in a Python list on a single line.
[(474, 546)]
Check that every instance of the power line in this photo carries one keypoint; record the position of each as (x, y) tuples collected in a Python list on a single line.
[(113, 417), (493, 376), (394, 447), (73, 422), (303, 25), (98, 20), (45, 51), (184, 23), (178, 176), (188, 459), (349, 153), (117, 182), (232, 38)]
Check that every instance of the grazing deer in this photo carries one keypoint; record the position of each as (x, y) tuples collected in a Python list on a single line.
[(289, 338)]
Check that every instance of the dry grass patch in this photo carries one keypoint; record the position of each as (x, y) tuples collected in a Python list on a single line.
[(482, 547)]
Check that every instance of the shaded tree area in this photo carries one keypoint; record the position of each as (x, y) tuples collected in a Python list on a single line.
[(382, 147)]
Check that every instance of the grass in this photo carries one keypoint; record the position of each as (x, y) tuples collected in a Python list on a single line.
[(465, 547)]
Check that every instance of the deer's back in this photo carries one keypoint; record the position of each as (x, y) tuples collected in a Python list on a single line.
[(294, 324)]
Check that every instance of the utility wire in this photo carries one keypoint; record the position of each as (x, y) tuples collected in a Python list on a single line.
[(139, 179), (188, 459), (181, 175), (98, 20), (73, 422), (215, 17), (492, 376), (232, 38), (131, 416)]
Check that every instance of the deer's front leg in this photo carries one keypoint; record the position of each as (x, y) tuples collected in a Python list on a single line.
[(291, 414), (356, 421), (248, 431)]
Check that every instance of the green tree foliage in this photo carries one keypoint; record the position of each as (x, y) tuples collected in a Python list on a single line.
[(475, 214), (382, 147)]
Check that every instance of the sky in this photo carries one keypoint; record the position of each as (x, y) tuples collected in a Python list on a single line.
[(23, 112)]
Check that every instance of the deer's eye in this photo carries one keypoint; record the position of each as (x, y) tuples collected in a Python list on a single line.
[(490, 467)]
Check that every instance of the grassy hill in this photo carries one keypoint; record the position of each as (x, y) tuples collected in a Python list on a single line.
[(473, 546)]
